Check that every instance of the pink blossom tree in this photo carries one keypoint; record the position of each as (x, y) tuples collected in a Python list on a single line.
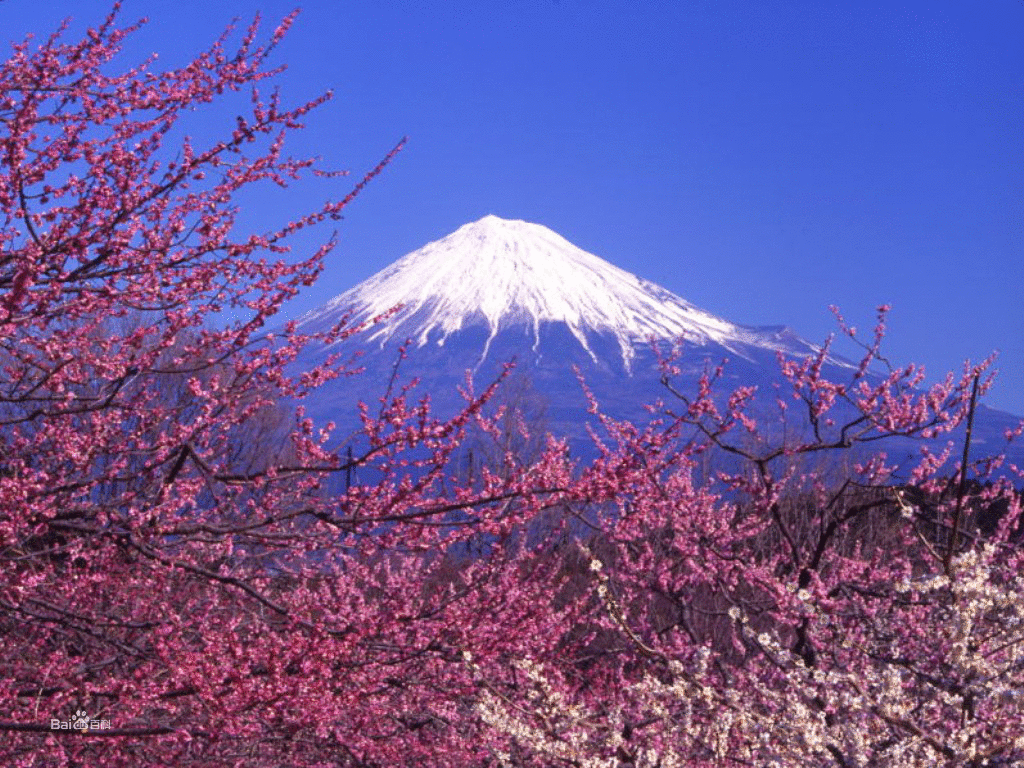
[(779, 615), (177, 585)]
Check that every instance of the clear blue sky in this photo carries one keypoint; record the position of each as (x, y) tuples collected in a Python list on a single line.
[(761, 159)]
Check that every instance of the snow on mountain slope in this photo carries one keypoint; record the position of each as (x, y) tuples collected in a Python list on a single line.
[(503, 273), (496, 290)]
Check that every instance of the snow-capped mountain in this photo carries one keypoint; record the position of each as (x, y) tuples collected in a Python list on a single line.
[(497, 290), (495, 274)]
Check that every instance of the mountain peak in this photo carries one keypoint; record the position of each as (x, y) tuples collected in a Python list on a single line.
[(500, 273), (496, 222)]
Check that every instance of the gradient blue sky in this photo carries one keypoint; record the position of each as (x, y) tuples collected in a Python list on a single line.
[(761, 159)]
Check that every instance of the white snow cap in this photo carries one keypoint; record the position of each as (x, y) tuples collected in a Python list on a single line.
[(504, 272)]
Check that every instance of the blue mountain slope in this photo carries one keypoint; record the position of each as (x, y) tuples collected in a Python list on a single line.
[(497, 290)]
